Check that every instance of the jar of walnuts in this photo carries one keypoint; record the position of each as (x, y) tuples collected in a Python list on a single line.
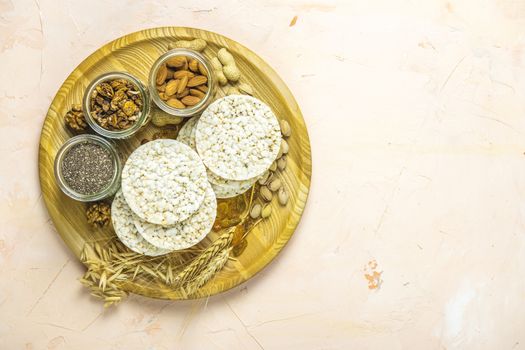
[(116, 105)]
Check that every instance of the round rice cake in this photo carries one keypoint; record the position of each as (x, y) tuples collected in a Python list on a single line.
[(164, 182), (228, 188), (183, 234), (187, 133), (123, 223), (238, 137), (223, 188)]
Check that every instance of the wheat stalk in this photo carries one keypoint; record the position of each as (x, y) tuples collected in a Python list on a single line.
[(215, 265), (202, 261), (110, 264)]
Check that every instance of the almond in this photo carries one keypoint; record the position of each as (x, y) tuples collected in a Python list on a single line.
[(202, 70), (176, 61), (171, 87), (197, 80), (181, 73), (197, 93), (161, 88), (173, 102), (161, 74), (193, 65), (182, 84), (191, 100), (185, 92), (203, 88)]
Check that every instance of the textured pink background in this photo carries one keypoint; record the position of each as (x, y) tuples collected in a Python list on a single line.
[(416, 116)]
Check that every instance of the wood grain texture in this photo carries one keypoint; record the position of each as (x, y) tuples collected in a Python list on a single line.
[(135, 53)]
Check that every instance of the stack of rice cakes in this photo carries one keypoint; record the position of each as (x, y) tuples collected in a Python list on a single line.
[(166, 202), (238, 138), (169, 188)]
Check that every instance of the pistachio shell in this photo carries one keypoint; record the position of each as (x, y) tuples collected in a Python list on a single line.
[(282, 196), (284, 147), (273, 167), (272, 177), (266, 211), (275, 185), (232, 91), (256, 211), (264, 178), (286, 130), (266, 194), (281, 163), (245, 89)]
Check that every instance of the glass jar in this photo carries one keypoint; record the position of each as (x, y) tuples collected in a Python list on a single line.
[(113, 185), (181, 112), (142, 119)]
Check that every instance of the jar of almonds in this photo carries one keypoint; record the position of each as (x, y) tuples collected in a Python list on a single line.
[(181, 83)]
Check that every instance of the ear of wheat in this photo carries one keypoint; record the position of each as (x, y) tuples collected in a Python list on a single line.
[(111, 264)]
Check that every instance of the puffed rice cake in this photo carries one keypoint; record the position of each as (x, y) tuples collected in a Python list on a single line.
[(185, 233), (164, 181), (238, 137), (123, 223), (223, 188)]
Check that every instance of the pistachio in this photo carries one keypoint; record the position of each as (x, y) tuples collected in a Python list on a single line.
[(264, 178), (284, 147), (286, 130), (232, 90), (281, 163), (282, 196), (273, 167), (266, 194), (256, 211), (275, 185), (245, 89), (266, 211), (272, 177)]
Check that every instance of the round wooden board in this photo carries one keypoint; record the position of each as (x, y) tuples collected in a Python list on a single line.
[(135, 53)]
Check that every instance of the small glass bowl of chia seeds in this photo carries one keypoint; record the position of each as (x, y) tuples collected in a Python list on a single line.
[(116, 105), (88, 168)]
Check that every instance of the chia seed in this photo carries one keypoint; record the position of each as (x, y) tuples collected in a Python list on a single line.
[(87, 168)]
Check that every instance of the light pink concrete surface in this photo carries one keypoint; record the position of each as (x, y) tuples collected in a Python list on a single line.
[(416, 114)]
